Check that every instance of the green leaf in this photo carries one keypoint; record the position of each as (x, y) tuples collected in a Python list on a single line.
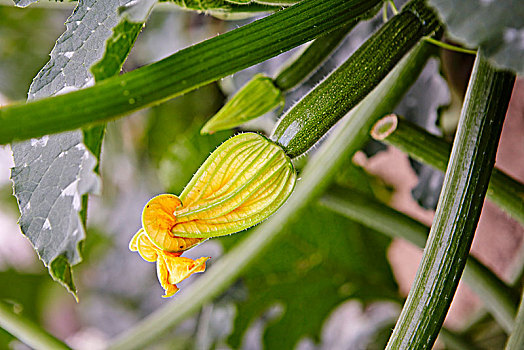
[(61, 271), (321, 271), (118, 46), (496, 27), (49, 185), (52, 174)]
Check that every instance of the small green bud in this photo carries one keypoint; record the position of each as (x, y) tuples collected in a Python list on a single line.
[(257, 97)]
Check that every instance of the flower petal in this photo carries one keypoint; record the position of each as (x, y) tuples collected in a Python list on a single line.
[(147, 250), (163, 276), (172, 269), (133, 244), (158, 220)]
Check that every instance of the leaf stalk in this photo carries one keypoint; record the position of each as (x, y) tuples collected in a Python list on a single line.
[(504, 191)]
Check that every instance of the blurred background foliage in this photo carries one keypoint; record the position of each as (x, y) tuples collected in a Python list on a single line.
[(327, 283)]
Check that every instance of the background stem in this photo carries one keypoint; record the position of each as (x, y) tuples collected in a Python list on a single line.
[(498, 298), (303, 66), (26, 331), (516, 339), (504, 191)]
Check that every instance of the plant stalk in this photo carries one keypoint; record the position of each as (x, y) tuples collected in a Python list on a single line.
[(27, 331), (465, 185), (504, 191), (516, 339), (181, 72), (351, 136)]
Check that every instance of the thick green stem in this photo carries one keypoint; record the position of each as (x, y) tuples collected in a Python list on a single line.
[(26, 331), (185, 70), (516, 339), (459, 208), (504, 191), (311, 118), (499, 299), (351, 136)]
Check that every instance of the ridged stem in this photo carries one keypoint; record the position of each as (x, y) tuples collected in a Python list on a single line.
[(181, 72), (465, 185)]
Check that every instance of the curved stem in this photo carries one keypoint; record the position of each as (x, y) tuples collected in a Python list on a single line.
[(498, 298), (516, 339), (449, 46), (27, 331), (458, 210)]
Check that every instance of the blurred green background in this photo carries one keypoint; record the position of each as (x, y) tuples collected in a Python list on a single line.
[(327, 285)]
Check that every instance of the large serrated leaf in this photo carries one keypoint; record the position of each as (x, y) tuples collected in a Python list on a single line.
[(53, 173), (497, 27)]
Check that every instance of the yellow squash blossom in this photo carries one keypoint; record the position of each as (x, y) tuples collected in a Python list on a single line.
[(242, 183), (171, 267)]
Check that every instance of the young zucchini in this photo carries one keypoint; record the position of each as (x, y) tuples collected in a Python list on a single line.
[(317, 112)]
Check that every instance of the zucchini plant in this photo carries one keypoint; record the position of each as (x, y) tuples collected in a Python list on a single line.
[(302, 228)]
